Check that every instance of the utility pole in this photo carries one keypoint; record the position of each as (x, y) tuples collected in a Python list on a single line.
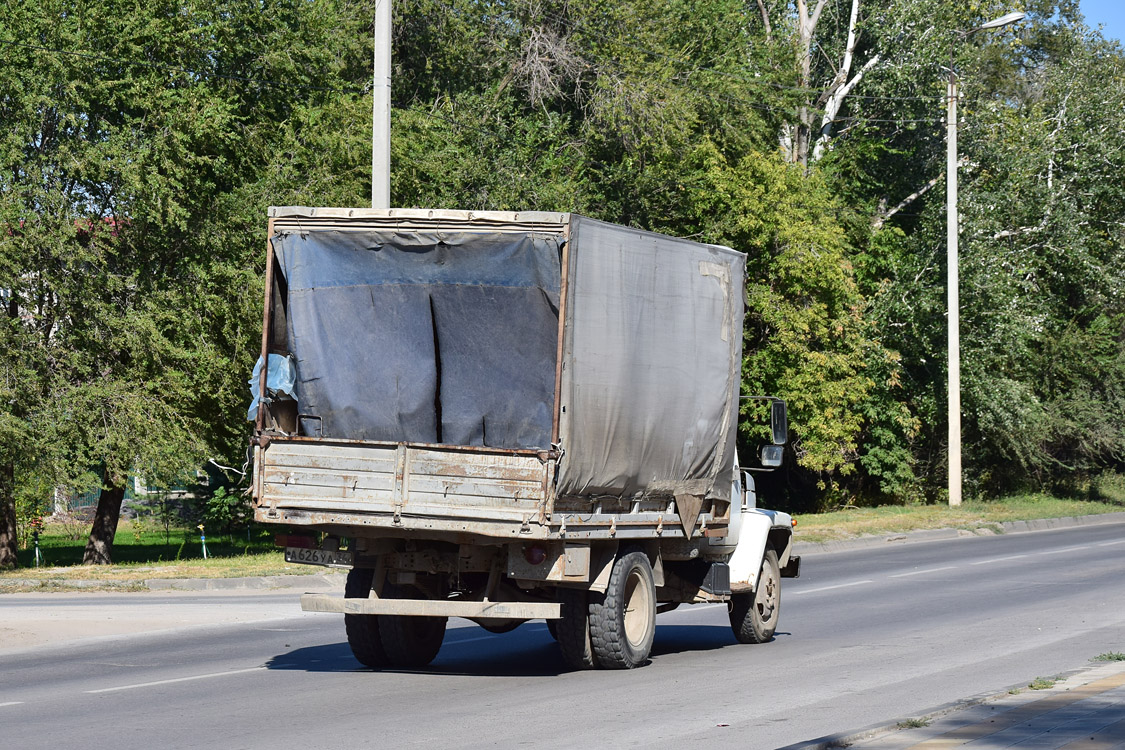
[(953, 302), (381, 109)]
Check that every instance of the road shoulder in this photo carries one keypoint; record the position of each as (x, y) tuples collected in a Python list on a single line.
[(1083, 709), (933, 535)]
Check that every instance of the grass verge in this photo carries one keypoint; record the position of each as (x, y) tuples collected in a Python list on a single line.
[(131, 576), (976, 516), (142, 553)]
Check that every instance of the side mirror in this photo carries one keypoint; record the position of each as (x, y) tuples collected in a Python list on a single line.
[(779, 423), (771, 455)]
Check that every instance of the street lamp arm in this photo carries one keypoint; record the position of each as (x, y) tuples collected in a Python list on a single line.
[(1004, 20)]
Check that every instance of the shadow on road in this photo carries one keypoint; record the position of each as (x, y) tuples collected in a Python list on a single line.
[(527, 651)]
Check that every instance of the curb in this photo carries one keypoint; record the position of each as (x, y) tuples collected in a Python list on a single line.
[(931, 535), (256, 583), (324, 580), (873, 731)]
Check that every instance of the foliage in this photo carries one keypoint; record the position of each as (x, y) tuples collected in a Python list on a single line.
[(132, 132), (227, 510), (143, 142)]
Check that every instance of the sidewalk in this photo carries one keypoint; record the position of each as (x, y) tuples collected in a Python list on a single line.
[(47, 619), (1085, 711)]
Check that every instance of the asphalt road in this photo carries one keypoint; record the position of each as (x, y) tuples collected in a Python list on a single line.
[(866, 636)]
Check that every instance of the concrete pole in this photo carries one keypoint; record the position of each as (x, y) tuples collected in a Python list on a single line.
[(381, 109), (953, 302), (952, 294)]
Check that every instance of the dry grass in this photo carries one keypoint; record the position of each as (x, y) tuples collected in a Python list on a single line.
[(132, 576), (975, 516)]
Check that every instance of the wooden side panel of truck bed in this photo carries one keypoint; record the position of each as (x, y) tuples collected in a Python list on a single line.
[(312, 481)]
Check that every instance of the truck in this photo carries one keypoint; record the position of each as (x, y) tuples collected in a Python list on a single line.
[(508, 417)]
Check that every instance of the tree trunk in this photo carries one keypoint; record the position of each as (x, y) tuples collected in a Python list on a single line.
[(8, 557), (99, 547)]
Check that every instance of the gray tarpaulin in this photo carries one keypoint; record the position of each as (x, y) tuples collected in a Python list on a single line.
[(651, 363), (427, 337), (449, 336)]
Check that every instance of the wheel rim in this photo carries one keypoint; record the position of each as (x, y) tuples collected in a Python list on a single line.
[(638, 608), (767, 596)]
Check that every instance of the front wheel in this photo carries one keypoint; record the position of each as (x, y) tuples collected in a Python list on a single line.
[(753, 616), (623, 620)]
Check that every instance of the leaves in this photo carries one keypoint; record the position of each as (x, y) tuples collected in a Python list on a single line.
[(144, 141)]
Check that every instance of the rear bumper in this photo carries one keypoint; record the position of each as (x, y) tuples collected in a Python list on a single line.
[(432, 608)]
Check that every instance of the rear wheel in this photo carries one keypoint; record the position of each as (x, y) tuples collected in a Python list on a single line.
[(623, 620), (754, 616), (410, 642), (572, 631), (363, 630)]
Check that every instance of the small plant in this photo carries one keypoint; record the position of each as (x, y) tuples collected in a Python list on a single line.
[(913, 723), (227, 510), (1042, 683), (72, 528), (1110, 656)]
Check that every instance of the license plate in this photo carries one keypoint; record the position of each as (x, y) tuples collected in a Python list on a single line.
[(340, 559)]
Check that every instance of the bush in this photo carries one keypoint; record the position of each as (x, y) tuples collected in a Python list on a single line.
[(227, 510)]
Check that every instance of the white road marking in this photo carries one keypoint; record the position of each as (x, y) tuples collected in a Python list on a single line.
[(997, 559), (11, 703), (829, 588), (1064, 549), (177, 679), (921, 572), (1107, 544)]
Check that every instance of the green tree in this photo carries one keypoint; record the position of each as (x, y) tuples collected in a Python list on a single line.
[(132, 133)]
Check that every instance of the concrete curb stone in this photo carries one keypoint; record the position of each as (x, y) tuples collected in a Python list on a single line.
[(1017, 693), (931, 535), (261, 583), (325, 580)]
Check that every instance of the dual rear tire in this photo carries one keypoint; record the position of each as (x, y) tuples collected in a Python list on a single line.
[(614, 630), (390, 641)]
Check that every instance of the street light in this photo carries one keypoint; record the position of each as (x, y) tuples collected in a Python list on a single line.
[(952, 295), (381, 108)]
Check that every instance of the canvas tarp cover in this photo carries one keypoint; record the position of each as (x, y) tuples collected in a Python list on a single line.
[(423, 337), (652, 356)]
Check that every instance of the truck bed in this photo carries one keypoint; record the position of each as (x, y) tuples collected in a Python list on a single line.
[(372, 485)]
